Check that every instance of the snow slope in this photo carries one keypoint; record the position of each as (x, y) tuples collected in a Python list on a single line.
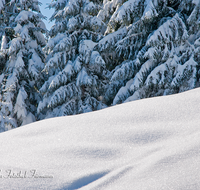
[(150, 144)]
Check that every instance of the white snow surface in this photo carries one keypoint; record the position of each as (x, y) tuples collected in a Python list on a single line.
[(149, 144)]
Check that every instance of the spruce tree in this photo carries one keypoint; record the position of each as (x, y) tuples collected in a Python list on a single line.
[(25, 59), (155, 51), (8, 13), (75, 72)]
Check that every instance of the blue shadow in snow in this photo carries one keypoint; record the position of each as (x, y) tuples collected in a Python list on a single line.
[(84, 181)]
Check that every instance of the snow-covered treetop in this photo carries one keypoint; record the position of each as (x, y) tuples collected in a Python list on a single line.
[(29, 23), (74, 15), (25, 17)]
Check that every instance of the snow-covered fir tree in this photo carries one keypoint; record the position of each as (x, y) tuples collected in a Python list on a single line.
[(8, 13), (76, 73), (25, 59), (152, 48)]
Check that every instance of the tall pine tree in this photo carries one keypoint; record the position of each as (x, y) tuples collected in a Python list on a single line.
[(75, 73), (8, 13), (155, 51), (25, 59)]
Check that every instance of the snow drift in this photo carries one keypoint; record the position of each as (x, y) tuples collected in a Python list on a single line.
[(150, 144)]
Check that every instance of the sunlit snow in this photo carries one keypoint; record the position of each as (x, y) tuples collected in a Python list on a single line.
[(149, 144)]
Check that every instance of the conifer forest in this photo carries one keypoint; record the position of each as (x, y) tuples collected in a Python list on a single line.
[(97, 54)]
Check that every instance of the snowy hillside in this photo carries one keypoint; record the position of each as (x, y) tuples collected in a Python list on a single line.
[(150, 144)]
